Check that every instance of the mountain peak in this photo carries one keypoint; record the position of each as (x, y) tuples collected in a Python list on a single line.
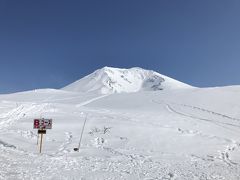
[(118, 80)]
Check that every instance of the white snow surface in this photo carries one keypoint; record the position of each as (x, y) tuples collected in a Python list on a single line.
[(115, 80), (174, 134)]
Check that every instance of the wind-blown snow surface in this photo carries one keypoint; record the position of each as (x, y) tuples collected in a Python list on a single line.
[(180, 134), (114, 80)]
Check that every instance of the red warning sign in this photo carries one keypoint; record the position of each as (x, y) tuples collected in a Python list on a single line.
[(42, 124)]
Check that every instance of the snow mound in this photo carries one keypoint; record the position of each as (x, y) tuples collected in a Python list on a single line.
[(115, 80)]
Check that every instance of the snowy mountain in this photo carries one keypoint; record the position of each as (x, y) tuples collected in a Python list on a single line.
[(114, 80), (178, 133)]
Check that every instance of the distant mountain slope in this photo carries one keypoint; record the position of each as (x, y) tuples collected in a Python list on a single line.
[(115, 80)]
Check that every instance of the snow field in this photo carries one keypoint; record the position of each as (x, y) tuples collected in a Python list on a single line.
[(180, 134)]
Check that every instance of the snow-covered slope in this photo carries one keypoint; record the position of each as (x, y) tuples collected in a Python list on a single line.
[(114, 80), (176, 134)]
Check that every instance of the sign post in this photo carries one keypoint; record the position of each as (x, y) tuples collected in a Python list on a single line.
[(42, 125), (41, 143), (37, 138)]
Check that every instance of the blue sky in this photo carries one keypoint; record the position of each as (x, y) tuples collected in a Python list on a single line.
[(51, 43)]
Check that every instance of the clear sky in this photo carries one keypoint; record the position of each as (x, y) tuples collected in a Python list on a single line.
[(51, 43)]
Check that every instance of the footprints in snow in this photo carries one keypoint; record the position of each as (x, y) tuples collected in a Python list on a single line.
[(211, 112), (64, 147), (225, 155)]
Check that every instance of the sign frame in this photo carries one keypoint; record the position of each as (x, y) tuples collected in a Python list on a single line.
[(42, 123)]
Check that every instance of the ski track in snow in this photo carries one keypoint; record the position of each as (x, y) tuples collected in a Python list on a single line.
[(225, 154), (90, 101)]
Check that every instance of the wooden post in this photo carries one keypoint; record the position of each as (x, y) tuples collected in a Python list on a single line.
[(37, 139), (41, 125), (41, 142)]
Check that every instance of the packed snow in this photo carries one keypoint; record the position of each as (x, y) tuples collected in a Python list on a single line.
[(173, 132)]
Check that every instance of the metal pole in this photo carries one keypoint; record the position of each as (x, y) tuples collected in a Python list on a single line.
[(41, 143), (82, 133)]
